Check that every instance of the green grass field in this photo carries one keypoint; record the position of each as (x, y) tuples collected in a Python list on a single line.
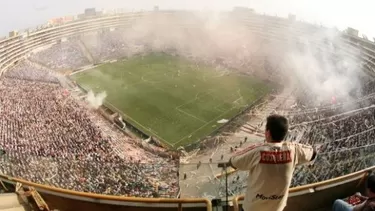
[(171, 98)]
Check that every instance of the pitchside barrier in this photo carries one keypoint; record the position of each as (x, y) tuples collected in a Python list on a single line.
[(134, 131), (129, 125)]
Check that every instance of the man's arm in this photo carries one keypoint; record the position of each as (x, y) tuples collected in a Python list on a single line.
[(227, 164), (305, 153), (359, 195), (244, 161), (314, 155), (231, 164)]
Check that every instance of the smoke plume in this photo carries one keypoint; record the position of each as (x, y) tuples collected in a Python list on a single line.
[(96, 101)]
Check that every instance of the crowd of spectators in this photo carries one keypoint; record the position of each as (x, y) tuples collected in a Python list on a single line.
[(26, 70), (343, 133), (110, 45), (50, 138), (43, 126), (66, 55), (107, 45)]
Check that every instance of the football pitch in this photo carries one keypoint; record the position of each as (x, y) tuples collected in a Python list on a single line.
[(171, 98)]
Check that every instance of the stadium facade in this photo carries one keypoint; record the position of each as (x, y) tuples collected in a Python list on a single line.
[(311, 196)]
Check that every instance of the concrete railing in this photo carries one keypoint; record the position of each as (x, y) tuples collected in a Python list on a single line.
[(110, 199), (353, 180)]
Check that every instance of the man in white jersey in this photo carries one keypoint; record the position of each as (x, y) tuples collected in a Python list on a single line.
[(271, 167)]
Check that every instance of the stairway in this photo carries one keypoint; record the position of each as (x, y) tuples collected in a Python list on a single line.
[(39, 64), (85, 51), (281, 100), (10, 202)]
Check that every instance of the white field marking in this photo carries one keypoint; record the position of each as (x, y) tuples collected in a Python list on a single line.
[(151, 73), (221, 74), (73, 73), (160, 81), (203, 126), (178, 108), (239, 93), (138, 123), (240, 98), (143, 80), (135, 83), (197, 97), (150, 130), (235, 102), (191, 115), (225, 102), (207, 123), (191, 101), (218, 109)]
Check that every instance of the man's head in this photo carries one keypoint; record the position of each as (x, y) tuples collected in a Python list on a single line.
[(276, 128), (370, 186)]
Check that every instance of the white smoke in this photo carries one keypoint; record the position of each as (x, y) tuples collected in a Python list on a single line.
[(96, 101), (313, 57), (324, 66)]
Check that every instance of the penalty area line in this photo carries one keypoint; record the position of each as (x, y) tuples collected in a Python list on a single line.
[(197, 97), (214, 119), (191, 115)]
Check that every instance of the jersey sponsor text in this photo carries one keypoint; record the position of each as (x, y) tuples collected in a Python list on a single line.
[(275, 157), (273, 197)]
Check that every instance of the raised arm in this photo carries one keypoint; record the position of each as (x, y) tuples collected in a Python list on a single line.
[(245, 161), (305, 153)]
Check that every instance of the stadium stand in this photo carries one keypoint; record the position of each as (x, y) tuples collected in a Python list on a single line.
[(59, 128), (106, 45), (62, 56), (44, 124), (27, 71)]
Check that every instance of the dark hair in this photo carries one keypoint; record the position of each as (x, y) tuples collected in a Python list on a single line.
[(371, 183), (278, 127)]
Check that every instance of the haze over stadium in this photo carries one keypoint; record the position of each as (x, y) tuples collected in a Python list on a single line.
[(147, 103), (341, 14), (349, 14)]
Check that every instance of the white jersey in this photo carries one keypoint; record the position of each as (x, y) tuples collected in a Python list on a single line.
[(270, 167)]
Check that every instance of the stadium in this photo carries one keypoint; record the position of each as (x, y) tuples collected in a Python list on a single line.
[(135, 110)]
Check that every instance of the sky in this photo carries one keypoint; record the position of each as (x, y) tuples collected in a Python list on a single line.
[(23, 14)]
